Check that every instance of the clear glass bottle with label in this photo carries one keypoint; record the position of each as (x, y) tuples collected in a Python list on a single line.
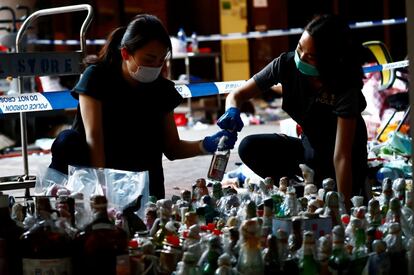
[(219, 161)]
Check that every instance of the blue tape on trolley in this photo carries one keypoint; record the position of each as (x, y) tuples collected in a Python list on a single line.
[(231, 36)]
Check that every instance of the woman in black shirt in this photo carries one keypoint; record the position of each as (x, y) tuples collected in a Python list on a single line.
[(321, 88), (125, 116)]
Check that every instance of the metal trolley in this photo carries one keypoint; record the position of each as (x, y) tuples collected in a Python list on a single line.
[(9, 65)]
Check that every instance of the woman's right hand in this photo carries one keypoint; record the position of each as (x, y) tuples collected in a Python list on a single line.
[(231, 120)]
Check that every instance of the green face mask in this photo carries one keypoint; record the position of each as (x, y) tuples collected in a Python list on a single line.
[(305, 68)]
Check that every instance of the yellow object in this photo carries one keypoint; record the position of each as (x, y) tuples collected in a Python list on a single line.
[(235, 53), (382, 56), (391, 128)]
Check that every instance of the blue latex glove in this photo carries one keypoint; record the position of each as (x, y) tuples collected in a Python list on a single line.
[(210, 143), (231, 120)]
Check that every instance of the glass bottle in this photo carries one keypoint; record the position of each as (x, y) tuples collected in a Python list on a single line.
[(324, 252), (182, 37), (101, 247), (307, 263), (270, 256), (46, 248), (396, 249), (374, 213), (332, 207), (379, 260), (295, 237), (385, 196), (65, 206), (194, 42), (339, 261), (219, 161), (188, 265), (288, 264), (359, 252), (9, 240), (208, 261)]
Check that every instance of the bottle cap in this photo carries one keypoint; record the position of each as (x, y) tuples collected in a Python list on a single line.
[(4, 201)]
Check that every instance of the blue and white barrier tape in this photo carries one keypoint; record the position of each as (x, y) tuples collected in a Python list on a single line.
[(207, 89), (34, 102), (384, 22), (231, 36), (388, 66)]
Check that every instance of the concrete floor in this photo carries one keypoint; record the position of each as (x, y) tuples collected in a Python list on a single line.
[(179, 174)]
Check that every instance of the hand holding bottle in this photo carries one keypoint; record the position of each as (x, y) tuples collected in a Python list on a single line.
[(231, 120), (210, 143)]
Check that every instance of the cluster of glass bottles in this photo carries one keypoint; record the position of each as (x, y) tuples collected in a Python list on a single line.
[(51, 244), (213, 231)]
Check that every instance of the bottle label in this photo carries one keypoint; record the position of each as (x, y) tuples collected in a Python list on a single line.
[(218, 167), (47, 266)]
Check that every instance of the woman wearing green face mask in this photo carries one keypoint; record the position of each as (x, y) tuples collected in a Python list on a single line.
[(321, 83)]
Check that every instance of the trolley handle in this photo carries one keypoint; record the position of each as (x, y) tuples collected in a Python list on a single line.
[(53, 11)]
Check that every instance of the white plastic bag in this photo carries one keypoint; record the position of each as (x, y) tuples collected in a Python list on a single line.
[(120, 187), (48, 181)]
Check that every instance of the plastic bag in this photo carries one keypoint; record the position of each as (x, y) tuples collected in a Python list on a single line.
[(400, 143), (120, 187), (48, 181)]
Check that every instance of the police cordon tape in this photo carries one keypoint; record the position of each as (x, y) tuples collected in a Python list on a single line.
[(231, 36), (47, 101)]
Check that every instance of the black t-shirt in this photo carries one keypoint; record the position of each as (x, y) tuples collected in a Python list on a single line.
[(124, 108), (316, 112)]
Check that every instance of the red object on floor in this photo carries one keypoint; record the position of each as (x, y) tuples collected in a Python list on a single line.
[(180, 119)]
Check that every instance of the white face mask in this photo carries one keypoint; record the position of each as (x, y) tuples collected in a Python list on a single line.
[(145, 74)]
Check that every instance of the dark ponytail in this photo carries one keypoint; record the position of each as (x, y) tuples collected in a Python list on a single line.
[(110, 53), (143, 29)]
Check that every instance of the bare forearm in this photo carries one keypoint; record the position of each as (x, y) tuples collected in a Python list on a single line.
[(185, 149), (343, 170), (248, 91), (231, 101), (96, 153)]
